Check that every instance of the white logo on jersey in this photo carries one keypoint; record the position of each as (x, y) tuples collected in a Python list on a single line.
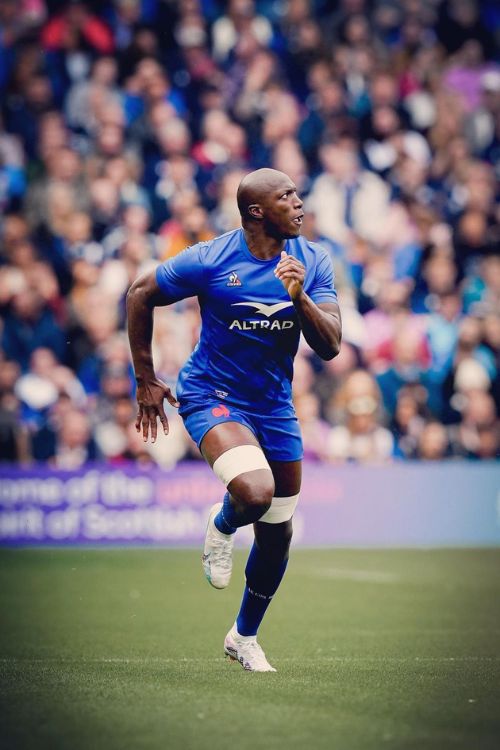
[(234, 279), (264, 309), (254, 325)]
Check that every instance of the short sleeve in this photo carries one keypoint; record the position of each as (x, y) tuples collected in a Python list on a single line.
[(183, 275), (323, 288)]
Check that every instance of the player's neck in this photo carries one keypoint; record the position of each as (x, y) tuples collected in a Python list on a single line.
[(261, 244)]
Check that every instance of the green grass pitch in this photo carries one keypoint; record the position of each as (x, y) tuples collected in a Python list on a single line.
[(122, 649)]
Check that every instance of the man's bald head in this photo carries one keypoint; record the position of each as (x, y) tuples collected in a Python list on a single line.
[(256, 186)]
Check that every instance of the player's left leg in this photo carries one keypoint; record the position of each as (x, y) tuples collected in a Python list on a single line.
[(266, 565)]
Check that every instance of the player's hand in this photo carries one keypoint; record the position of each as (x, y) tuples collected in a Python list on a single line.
[(150, 396), (291, 273)]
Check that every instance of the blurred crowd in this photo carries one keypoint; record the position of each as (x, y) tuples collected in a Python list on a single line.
[(125, 128)]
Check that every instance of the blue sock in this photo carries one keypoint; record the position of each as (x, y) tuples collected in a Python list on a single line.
[(263, 573), (229, 519)]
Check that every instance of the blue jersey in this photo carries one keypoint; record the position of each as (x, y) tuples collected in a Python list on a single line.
[(250, 331)]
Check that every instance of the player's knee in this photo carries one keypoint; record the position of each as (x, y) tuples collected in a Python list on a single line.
[(253, 489)]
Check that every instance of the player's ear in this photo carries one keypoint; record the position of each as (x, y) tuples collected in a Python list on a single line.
[(255, 211)]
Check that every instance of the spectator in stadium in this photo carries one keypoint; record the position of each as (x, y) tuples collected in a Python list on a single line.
[(212, 150), (96, 322), (491, 342), (180, 205), (473, 238), (76, 28), (389, 315), (28, 325), (116, 439), (252, 72), (406, 369), (360, 435), (24, 107), (438, 279), (12, 171), (288, 155), (345, 198), (315, 430), (239, 19), (433, 442), (472, 366), (171, 177), (482, 289), (104, 206), (14, 437), (87, 97), (134, 223), (61, 190), (73, 442), (225, 216), (281, 120), (443, 333), (408, 422), (193, 227), (341, 266), (327, 118), (40, 388), (476, 435)]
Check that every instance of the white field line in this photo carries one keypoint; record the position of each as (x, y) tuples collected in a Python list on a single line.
[(183, 660), (361, 576), (340, 632)]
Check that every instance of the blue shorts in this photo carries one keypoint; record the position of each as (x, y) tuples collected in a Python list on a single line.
[(279, 437)]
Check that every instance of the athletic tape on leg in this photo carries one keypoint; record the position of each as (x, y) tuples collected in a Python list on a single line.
[(239, 460), (282, 509)]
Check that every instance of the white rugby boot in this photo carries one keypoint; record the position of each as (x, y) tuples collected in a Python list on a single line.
[(245, 650), (217, 553)]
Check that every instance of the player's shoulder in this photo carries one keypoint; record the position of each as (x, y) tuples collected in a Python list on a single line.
[(212, 251), (311, 252)]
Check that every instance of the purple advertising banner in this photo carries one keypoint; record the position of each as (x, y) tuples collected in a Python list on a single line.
[(402, 504)]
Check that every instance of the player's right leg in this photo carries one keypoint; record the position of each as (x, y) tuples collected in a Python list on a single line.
[(265, 567), (234, 454)]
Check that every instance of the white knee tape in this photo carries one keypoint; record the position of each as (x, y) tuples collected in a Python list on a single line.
[(282, 509), (239, 460)]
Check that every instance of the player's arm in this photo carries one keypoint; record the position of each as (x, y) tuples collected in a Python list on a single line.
[(143, 296), (321, 323)]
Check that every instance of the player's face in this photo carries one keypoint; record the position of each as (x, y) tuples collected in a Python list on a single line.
[(282, 211)]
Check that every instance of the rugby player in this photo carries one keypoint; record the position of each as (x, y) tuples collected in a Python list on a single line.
[(258, 288)]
